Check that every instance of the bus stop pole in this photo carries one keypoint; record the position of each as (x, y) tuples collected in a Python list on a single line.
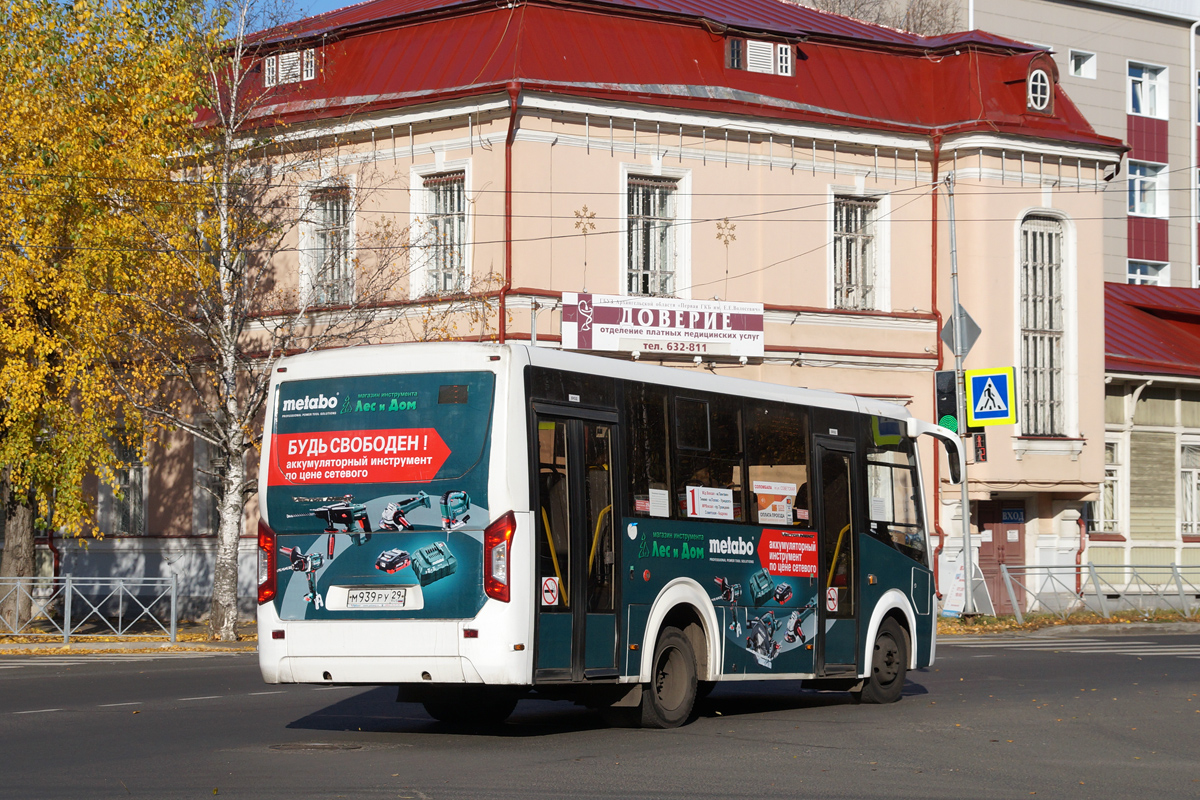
[(959, 340)]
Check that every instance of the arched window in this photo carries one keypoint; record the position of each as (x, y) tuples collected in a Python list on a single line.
[(1039, 90), (1043, 411)]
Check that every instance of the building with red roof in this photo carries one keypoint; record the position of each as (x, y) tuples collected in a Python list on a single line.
[(717, 152)]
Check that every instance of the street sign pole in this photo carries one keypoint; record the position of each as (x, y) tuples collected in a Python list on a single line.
[(960, 339)]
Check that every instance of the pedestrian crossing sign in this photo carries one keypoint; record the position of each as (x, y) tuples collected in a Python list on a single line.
[(991, 396)]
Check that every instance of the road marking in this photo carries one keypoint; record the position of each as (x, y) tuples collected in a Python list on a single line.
[(206, 697), (1140, 649), (327, 688), (115, 705), (38, 711), (260, 694)]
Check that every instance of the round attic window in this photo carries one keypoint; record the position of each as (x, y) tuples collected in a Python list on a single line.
[(1039, 90)]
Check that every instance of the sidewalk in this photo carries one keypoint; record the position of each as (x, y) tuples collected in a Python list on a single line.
[(190, 637)]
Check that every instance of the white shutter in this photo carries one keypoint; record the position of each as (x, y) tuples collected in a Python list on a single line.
[(289, 68), (760, 57)]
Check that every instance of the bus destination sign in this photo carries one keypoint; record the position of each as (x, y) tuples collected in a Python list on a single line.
[(661, 326)]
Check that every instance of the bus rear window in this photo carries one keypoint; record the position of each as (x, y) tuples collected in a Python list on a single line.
[(452, 395)]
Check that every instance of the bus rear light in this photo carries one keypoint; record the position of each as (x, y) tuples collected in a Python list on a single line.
[(497, 539), (470, 633), (266, 563)]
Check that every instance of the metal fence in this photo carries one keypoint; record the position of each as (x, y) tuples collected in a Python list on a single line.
[(1102, 590), (61, 607)]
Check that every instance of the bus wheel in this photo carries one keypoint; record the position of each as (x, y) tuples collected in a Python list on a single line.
[(667, 701), (889, 665), (471, 706)]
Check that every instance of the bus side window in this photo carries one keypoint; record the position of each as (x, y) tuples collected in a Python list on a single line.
[(777, 459), (893, 509), (646, 432), (708, 455)]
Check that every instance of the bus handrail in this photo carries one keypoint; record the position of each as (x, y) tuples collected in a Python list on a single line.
[(596, 536), (836, 551)]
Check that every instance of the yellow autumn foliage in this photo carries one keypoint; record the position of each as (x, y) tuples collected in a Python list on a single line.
[(95, 101)]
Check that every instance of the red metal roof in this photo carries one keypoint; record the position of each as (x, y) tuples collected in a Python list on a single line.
[(1153, 330), (404, 57)]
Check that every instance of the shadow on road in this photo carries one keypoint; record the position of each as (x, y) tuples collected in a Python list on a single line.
[(375, 711)]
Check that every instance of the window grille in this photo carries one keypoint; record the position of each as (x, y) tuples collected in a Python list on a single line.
[(735, 54), (652, 253), (854, 252), (289, 68), (310, 64), (1039, 90), (1104, 515), (1042, 327), (785, 59), (446, 216), (1189, 484), (269, 71), (333, 278)]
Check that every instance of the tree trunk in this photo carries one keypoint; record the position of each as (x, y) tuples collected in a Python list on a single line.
[(224, 613), (16, 604)]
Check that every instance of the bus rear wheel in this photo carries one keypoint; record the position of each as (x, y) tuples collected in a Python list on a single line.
[(667, 702), (889, 665)]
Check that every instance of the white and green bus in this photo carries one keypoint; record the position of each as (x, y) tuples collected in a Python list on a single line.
[(475, 523)]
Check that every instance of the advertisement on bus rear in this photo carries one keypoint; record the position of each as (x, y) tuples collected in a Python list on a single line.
[(377, 492)]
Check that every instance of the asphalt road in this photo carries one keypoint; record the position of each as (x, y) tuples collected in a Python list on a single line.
[(1109, 717)]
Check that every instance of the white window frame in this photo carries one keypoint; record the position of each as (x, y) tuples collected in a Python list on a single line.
[(1185, 441), (683, 223), (882, 292), (1115, 483), (1070, 324), (1039, 92), (418, 284), (1155, 180), (270, 71), (1087, 67), (783, 59), (1162, 277), (1155, 99), (309, 69), (309, 268)]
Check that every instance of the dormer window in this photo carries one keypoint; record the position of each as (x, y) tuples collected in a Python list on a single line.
[(1039, 88), (751, 55), (290, 67)]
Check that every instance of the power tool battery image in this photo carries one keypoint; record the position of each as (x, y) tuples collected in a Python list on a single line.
[(433, 562), (454, 507), (392, 561)]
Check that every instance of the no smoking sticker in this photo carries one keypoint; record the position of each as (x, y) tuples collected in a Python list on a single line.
[(831, 598), (549, 591)]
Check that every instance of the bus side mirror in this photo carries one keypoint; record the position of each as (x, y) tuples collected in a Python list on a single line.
[(949, 438)]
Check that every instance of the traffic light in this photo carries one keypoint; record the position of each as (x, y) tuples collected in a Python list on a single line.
[(946, 406)]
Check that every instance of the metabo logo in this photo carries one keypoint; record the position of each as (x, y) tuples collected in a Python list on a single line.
[(310, 403), (728, 546)]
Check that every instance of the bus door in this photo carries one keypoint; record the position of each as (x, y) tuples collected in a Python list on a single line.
[(837, 598), (576, 558)]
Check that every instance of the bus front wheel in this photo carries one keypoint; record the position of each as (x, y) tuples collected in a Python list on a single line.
[(667, 701), (889, 665)]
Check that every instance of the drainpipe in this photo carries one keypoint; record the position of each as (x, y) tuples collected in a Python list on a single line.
[(1079, 554), (937, 478), (514, 91), (1195, 219)]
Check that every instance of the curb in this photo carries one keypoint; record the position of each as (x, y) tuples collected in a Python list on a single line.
[(85, 648)]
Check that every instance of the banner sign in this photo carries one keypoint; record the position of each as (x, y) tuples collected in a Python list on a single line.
[(373, 456), (661, 325)]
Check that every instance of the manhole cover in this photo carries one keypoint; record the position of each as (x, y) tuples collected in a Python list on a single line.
[(316, 746)]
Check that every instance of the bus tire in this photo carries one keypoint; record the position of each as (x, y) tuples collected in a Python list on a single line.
[(471, 706), (889, 665), (667, 702)]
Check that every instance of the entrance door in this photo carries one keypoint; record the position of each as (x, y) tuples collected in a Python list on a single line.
[(576, 565), (838, 597), (1002, 541)]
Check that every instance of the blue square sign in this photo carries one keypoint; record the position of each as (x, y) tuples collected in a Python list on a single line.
[(991, 396)]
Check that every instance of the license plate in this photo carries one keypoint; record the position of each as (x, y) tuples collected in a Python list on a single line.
[(375, 598)]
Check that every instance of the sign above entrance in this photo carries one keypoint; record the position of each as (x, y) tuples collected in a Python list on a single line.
[(991, 396), (661, 326)]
